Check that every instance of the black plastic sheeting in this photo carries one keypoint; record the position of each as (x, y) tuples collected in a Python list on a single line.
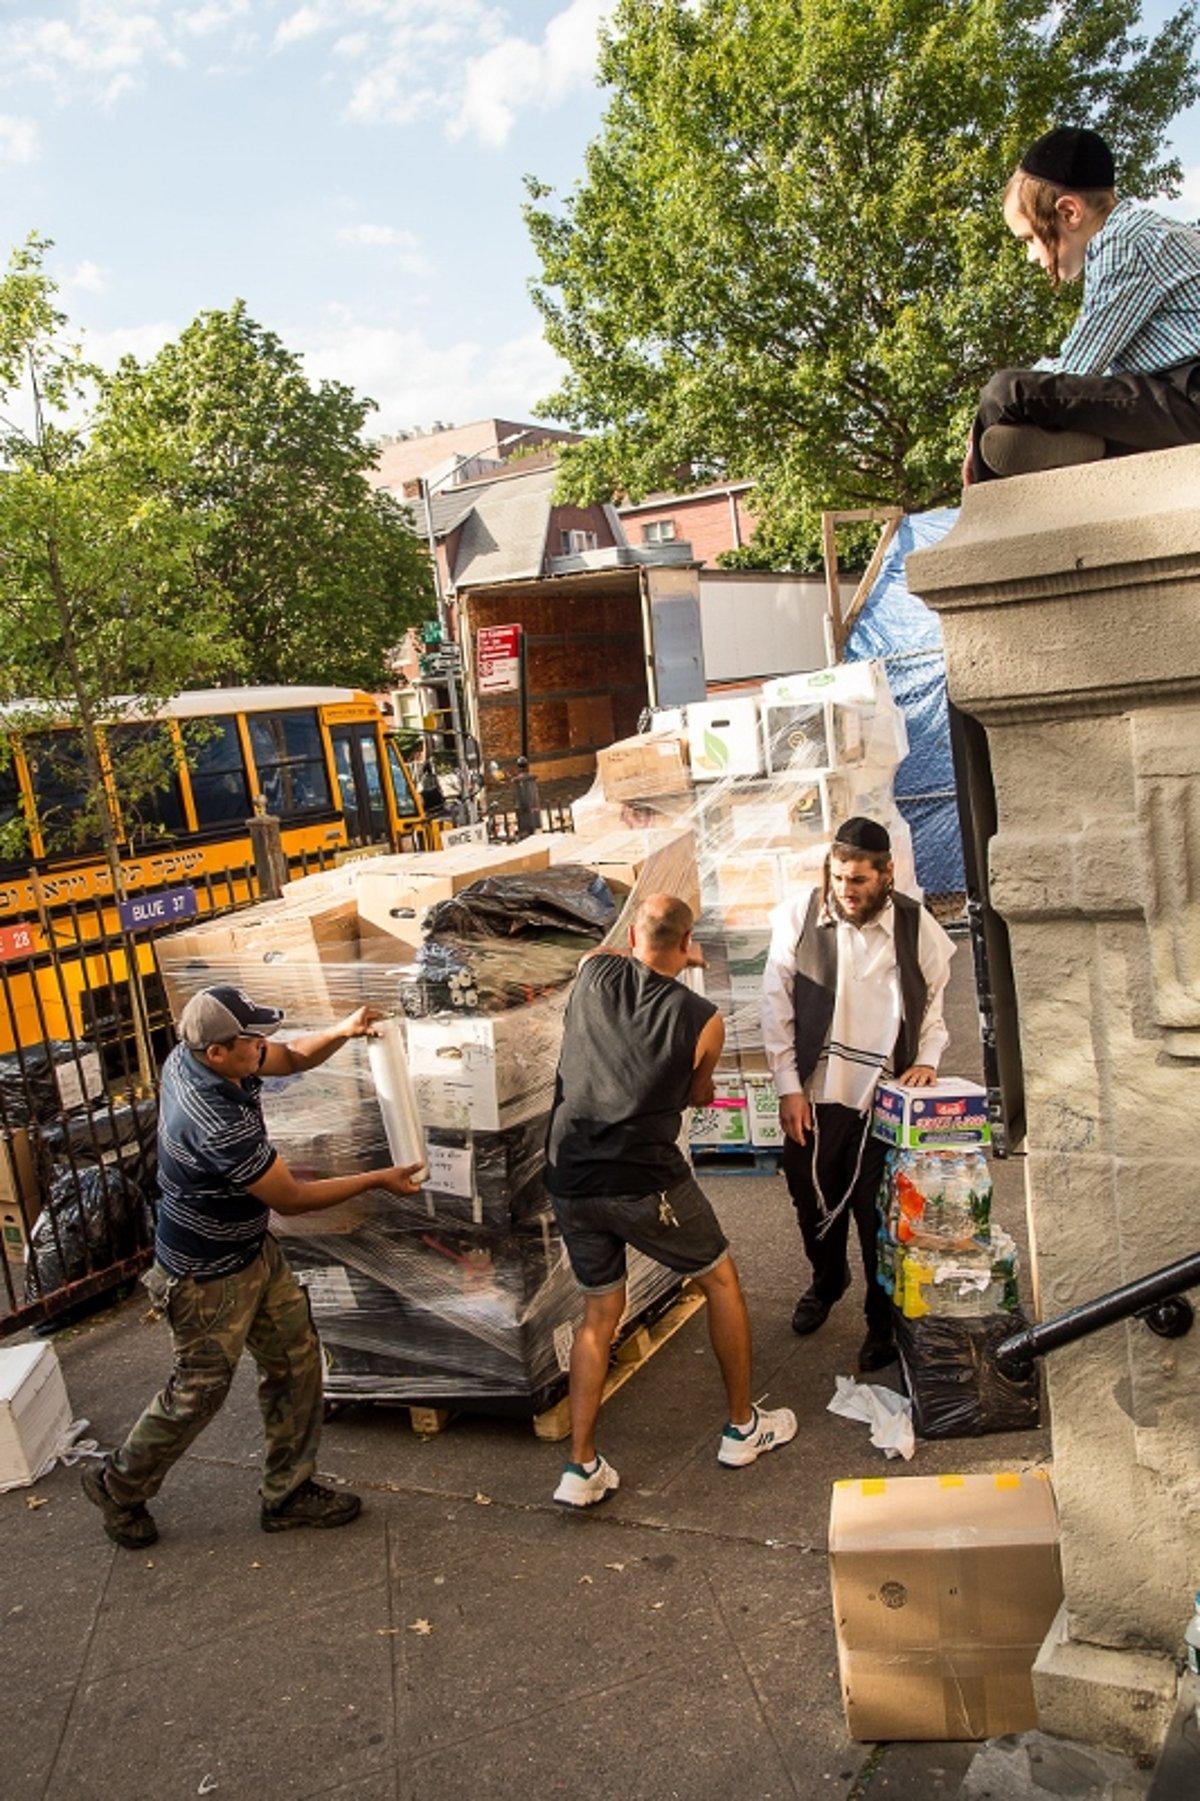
[(28, 1084), (950, 1370), (894, 625), (567, 899), (95, 1215)]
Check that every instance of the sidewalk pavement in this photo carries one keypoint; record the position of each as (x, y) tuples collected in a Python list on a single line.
[(466, 1637)]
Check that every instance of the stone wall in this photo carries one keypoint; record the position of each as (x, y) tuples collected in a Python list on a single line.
[(1070, 604)]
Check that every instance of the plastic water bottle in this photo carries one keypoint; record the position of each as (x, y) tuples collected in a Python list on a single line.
[(1191, 1638)]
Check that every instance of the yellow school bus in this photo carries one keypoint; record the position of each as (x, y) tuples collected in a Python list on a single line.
[(318, 758)]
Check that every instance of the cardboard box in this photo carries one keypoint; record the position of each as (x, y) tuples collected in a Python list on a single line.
[(725, 1122), (394, 900), (19, 1196), (943, 1589), (486, 1071), (34, 1412), (637, 768), (724, 738), (661, 860), (797, 734), (281, 955), (787, 815), (763, 1104), (950, 1113)]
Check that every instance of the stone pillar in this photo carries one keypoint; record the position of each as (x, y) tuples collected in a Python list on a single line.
[(1070, 604)]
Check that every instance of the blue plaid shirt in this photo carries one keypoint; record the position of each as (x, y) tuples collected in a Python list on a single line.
[(1141, 298)]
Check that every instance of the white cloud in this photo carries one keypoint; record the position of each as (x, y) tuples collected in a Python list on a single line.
[(415, 381), (18, 140), (86, 278), (406, 246), (140, 341), (516, 75)]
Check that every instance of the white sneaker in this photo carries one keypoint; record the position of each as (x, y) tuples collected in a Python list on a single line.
[(579, 1489), (768, 1432)]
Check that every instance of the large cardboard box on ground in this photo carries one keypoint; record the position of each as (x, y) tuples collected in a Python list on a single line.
[(34, 1411), (637, 768), (394, 895), (943, 1589)]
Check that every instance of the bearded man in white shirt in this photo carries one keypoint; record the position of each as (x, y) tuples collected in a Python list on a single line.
[(852, 994)]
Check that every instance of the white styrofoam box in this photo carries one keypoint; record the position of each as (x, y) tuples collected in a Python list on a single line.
[(34, 1411), (723, 738), (485, 1070)]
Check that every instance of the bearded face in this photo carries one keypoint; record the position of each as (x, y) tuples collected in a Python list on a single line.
[(857, 890)]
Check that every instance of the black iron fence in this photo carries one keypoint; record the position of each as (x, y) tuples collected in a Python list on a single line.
[(84, 1030)]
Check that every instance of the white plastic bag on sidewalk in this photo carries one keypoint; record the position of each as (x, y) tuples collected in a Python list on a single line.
[(888, 1414)]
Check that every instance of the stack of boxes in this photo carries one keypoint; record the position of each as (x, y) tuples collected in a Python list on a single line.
[(951, 1273), (764, 779), (460, 1295)]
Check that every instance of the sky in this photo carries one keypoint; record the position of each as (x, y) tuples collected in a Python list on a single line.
[(352, 169)]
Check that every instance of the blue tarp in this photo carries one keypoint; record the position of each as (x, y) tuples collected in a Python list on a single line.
[(895, 625)]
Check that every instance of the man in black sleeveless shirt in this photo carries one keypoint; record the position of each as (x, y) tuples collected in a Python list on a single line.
[(639, 1047)]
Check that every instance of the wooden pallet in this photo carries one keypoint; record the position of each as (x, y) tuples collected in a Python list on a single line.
[(738, 1160), (555, 1423)]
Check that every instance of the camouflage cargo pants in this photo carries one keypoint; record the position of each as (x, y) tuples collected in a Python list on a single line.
[(263, 1310)]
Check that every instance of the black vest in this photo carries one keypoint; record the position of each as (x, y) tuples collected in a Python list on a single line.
[(815, 988)]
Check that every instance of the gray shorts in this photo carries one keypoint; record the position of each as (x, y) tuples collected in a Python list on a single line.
[(676, 1226)]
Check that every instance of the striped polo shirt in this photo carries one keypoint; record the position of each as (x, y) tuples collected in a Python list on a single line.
[(212, 1143), (1141, 297)]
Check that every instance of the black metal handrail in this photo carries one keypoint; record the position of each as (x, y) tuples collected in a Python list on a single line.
[(1153, 1298)]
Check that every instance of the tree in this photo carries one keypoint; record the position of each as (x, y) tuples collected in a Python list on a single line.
[(786, 259), (97, 620), (323, 573)]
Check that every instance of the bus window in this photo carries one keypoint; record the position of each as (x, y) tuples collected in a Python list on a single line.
[(155, 814), (406, 800), (14, 832), (58, 772), (218, 774), (290, 762)]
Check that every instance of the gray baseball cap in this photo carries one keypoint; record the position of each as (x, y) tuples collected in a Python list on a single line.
[(216, 1015)]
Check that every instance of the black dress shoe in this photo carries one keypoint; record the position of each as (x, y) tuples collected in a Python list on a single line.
[(811, 1312), (876, 1352)]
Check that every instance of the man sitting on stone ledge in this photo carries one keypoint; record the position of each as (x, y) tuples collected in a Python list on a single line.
[(1127, 377)]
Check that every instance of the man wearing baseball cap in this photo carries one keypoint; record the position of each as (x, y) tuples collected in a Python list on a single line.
[(1127, 377), (220, 1277), (852, 991)]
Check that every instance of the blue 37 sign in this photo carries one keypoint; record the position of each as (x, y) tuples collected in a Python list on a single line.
[(163, 909)]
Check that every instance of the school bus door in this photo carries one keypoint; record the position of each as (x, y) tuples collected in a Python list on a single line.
[(360, 782)]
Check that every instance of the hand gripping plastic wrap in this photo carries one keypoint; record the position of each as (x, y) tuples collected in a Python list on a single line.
[(460, 1293)]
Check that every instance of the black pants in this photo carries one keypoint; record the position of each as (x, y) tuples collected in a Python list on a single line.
[(841, 1133), (1130, 412)]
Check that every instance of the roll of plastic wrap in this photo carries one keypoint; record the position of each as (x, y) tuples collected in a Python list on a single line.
[(397, 1102)]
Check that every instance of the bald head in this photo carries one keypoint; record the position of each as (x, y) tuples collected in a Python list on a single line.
[(660, 925)]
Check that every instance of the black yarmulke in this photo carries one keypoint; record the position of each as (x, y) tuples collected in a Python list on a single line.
[(1071, 157), (864, 834)]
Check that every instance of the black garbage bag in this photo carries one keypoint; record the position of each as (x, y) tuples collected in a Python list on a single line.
[(94, 1215), (950, 1370), (569, 898), (28, 1085), (86, 1131)]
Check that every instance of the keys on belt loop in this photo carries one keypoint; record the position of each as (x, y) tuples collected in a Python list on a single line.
[(666, 1213)]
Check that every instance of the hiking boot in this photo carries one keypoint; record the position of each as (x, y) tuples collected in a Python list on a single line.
[(311, 1505), (1028, 450), (877, 1350), (767, 1433), (578, 1487), (131, 1527)]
